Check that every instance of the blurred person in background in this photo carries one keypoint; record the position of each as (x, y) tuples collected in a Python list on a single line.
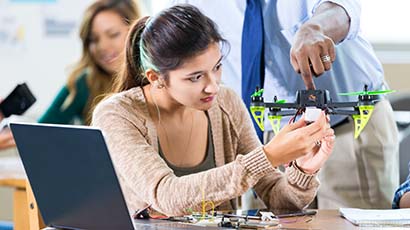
[(103, 31)]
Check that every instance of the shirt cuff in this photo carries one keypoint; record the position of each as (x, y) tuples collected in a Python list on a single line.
[(257, 164), (353, 9), (299, 178)]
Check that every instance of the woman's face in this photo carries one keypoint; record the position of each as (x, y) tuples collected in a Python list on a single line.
[(107, 41), (196, 83)]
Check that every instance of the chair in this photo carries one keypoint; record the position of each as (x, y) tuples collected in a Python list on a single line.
[(6, 225)]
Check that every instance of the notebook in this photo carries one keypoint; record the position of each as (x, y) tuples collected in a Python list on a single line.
[(377, 217)]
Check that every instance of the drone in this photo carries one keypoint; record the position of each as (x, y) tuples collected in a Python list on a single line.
[(306, 100)]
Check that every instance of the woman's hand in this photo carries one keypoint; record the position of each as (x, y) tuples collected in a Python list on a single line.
[(314, 160), (296, 140), (1, 114), (6, 139)]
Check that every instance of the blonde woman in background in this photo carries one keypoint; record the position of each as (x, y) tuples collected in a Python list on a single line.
[(103, 32)]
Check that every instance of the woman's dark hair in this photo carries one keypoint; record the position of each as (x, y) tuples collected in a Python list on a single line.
[(164, 42)]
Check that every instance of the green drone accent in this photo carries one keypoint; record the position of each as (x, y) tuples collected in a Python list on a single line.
[(378, 92), (365, 111), (258, 113), (361, 119), (275, 119), (257, 93), (275, 123)]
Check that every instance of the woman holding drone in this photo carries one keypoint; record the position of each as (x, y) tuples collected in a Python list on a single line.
[(178, 138)]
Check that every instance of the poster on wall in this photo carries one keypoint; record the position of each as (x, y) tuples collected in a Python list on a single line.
[(12, 34)]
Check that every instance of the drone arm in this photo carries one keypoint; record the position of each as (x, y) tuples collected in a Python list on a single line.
[(286, 113), (343, 104), (343, 112), (281, 105)]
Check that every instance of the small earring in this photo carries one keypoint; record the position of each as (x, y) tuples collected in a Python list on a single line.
[(159, 85)]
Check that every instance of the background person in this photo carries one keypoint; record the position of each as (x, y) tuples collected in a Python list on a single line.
[(325, 34), (103, 32)]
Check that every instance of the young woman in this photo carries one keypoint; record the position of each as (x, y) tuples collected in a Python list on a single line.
[(103, 33), (177, 138)]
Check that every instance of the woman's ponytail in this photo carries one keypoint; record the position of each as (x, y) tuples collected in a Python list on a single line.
[(132, 72)]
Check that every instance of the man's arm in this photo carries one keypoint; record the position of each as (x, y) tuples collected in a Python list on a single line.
[(331, 19), (405, 200), (401, 197), (316, 39)]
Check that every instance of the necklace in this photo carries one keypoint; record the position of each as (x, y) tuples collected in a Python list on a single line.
[(166, 133)]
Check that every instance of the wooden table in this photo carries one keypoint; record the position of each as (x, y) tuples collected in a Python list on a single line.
[(324, 219), (20, 204), (25, 212)]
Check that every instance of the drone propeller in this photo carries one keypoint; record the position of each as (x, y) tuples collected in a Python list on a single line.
[(378, 92), (275, 100), (366, 92), (257, 93)]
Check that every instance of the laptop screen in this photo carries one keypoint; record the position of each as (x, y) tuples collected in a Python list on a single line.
[(72, 176)]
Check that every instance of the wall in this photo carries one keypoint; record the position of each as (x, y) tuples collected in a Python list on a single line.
[(398, 76)]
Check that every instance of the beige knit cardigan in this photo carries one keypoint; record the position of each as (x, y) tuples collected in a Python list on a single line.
[(241, 163)]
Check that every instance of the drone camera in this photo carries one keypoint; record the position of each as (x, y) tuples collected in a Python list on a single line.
[(313, 98)]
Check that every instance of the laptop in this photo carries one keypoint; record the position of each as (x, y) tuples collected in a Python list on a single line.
[(72, 176)]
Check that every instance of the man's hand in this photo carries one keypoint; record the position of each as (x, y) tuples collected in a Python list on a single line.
[(313, 48), (312, 53)]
